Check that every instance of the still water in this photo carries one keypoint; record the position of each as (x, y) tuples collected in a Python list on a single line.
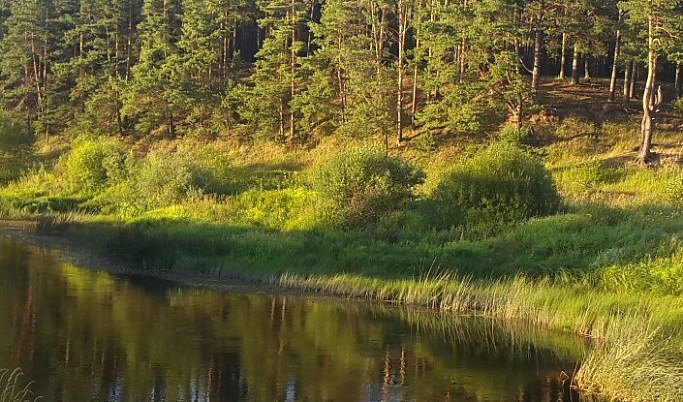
[(83, 335)]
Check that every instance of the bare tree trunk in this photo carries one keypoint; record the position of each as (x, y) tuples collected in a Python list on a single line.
[(462, 50), (677, 84), (417, 54), (520, 112), (586, 69), (538, 49), (292, 71), (648, 96), (402, 11), (613, 79), (129, 41), (627, 82), (575, 65), (341, 84), (413, 107), (563, 58), (634, 79)]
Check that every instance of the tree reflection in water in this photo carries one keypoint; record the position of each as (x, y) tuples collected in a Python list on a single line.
[(85, 335)]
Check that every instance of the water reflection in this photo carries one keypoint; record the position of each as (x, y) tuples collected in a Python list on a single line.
[(88, 336)]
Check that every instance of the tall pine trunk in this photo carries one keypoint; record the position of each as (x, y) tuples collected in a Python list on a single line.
[(648, 96), (635, 74), (586, 69), (402, 13), (677, 84), (563, 57), (613, 78), (538, 50), (628, 72), (575, 64), (292, 70)]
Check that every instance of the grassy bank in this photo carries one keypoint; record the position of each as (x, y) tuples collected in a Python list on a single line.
[(595, 249)]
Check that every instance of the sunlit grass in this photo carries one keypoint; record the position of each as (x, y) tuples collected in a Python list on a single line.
[(632, 363)]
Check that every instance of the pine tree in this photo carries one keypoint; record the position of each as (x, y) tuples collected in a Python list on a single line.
[(156, 96), (659, 24)]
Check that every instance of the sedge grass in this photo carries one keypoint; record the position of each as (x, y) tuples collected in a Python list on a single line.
[(11, 389), (632, 363)]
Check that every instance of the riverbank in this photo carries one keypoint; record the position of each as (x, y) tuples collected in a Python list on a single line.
[(632, 332)]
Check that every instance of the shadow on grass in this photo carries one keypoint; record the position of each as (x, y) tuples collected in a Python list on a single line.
[(577, 244), (261, 176)]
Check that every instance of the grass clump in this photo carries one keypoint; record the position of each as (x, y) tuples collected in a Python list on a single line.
[(359, 186), (500, 182), (631, 363), (11, 389)]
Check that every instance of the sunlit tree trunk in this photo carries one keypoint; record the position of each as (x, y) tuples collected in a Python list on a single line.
[(402, 14), (563, 57), (628, 70), (613, 79), (575, 65), (538, 49), (648, 95)]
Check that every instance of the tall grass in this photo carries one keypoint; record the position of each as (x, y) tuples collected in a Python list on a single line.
[(632, 363), (11, 389)]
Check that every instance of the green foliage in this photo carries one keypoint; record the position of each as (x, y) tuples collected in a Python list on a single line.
[(92, 165), (677, 105), (165, 178), (510, 134), (502, 181), (15, 135), (360, 185)]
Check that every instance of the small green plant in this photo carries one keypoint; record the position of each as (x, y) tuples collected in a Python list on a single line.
[(11, 389), (502, 181), (511, 134), (360, 185), (427, 142)]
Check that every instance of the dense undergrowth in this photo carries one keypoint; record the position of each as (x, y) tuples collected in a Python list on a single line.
[(554, 228)]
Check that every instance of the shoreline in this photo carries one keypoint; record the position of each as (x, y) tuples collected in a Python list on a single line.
[(580, 311)]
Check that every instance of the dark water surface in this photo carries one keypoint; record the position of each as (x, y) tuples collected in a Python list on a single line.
[(83, 335)]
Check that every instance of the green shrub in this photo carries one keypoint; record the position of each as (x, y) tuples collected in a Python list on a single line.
[(677, 105), (501, 180), (93, 165), (167, 178), (14, 133), (359, 186)]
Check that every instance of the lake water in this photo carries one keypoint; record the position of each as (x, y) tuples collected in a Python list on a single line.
[(84, 335)]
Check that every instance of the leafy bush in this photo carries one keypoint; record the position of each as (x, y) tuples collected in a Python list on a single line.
[(359, 186), (93, 165), (14, 133), (165, 178), (501, 180), (677, 105)]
